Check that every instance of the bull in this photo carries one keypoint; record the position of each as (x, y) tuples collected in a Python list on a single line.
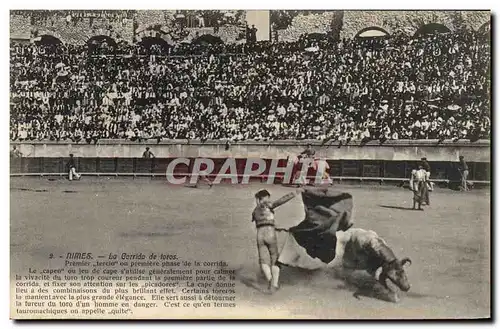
[(361, 249)]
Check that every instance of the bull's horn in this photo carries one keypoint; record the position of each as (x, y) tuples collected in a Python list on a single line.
[(405, 260)]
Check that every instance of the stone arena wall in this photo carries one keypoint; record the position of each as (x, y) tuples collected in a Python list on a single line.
[(346, 24)]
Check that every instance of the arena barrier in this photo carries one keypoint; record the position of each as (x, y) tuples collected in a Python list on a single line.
[(361, 170)]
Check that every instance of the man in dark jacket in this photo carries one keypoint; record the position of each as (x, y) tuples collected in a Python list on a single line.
[(148, 154)]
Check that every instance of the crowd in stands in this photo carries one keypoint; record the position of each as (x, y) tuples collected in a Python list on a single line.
[(428, 87)]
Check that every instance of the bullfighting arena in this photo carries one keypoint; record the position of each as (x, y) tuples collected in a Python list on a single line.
[(448, 243)]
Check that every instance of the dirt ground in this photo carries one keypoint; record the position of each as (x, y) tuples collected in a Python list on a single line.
[(449, 242)]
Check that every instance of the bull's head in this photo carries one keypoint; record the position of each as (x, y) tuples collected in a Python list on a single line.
[(395, 272)]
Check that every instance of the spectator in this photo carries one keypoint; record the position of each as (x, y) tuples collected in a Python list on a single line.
[(201, 21), (15, 153), (308, 152), (253, 34)]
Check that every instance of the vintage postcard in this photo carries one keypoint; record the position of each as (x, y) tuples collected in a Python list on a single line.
[(250, 164)]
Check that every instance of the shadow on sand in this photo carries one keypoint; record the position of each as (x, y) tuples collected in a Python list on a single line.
[(359, 284), (363, 284), (146, 234), (289, 276), (28, 189)]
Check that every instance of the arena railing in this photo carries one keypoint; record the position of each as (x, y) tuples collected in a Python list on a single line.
[(380, 171)]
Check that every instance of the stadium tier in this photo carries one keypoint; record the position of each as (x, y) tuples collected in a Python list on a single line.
[(425, 86)]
